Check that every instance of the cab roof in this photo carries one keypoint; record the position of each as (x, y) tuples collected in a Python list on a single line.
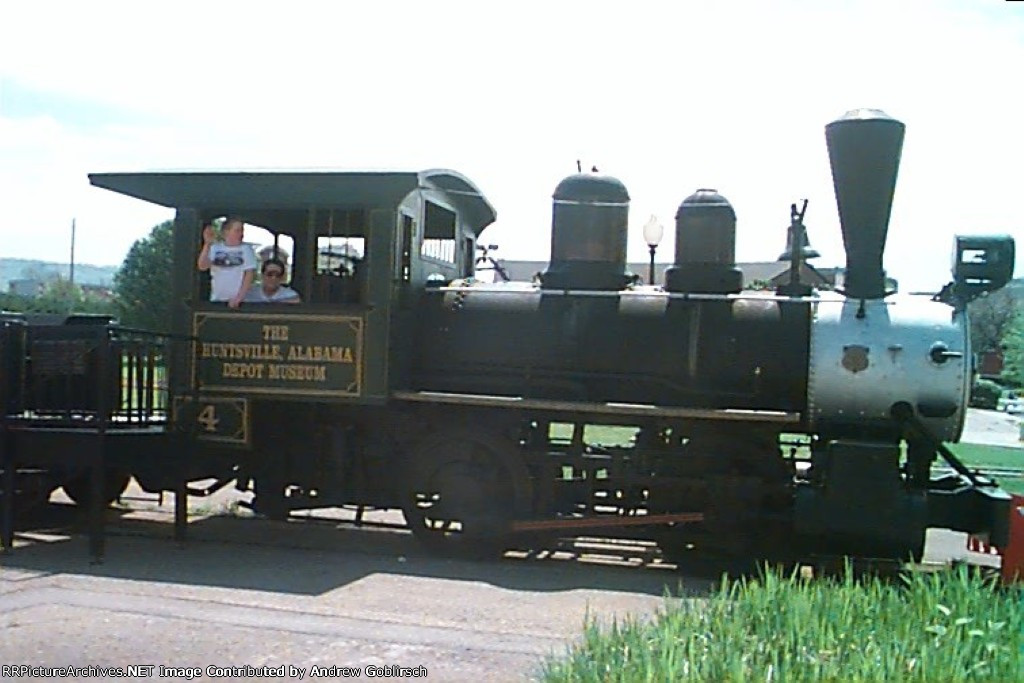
[(248, 190)]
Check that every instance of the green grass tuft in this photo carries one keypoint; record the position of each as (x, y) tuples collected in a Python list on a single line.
[(948, 626)]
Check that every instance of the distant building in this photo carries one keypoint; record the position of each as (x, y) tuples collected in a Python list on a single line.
[(26, 287), (771, 274), (990, 364), (100, 292), (761, 275), (267, 252)]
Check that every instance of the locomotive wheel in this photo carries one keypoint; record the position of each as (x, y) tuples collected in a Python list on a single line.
[(460, 494), (114, 484)]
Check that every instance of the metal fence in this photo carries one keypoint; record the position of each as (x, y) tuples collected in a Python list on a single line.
[(83, 375)]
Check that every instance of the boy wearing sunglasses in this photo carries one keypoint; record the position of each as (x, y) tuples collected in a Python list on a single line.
[(271, 290)]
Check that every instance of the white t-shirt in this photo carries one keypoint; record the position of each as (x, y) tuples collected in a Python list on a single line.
[(258, 296), (227, 268)]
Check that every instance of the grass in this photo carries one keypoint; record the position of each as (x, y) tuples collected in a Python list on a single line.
[(948, 626), (1014, 486), (973, 455), (133, 395), (978, 455), (595, 434)]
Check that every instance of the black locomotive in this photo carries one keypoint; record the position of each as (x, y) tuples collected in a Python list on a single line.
[(790, 423)]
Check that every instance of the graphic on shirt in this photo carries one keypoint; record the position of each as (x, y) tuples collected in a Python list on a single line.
[(227, 259), (228, 266)]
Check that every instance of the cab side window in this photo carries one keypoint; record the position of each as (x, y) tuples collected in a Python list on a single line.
[(439, 234), (340, 268)]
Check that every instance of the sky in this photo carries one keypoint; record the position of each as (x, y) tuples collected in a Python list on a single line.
[(668, 97)]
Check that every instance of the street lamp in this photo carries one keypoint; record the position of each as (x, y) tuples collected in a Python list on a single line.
[(653, 232)]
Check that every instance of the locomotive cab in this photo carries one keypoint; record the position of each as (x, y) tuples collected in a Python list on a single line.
[(275, 392), (358, 248)]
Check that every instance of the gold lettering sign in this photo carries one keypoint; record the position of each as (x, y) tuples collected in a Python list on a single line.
[(280, 353)]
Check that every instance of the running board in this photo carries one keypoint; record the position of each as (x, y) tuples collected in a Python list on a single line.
[(630, 409)]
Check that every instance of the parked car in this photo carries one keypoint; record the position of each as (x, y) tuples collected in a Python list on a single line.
[(1012, 405)]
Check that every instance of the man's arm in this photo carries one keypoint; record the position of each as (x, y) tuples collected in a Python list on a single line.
[(203, 262)]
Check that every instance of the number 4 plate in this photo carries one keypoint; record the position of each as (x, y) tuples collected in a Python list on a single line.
[(214, 418)]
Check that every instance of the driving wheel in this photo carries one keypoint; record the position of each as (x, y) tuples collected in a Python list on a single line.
[(459, 495)]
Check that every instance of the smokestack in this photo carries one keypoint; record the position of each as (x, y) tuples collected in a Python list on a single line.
[(864, 147)]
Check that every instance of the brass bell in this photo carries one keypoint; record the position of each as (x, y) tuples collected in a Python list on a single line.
[(806, 250)]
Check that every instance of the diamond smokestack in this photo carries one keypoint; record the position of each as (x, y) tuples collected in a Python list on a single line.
[(864, 147)]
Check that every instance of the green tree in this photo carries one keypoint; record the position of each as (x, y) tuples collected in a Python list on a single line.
[(1013, 352), (992, 317), (143, 283), (59, 296), (14, 302)]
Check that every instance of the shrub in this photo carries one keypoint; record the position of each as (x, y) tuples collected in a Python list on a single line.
[(985, 394)]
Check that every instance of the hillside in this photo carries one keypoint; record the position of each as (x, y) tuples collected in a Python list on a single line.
[(85, 274)]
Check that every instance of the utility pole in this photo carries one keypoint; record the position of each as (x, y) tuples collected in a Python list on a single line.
[(71, 275)]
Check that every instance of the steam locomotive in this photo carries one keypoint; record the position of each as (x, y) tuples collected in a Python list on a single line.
[(793, 422)]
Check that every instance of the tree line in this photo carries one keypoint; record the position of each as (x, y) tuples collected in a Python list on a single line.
[(142, 288), (59, 297)]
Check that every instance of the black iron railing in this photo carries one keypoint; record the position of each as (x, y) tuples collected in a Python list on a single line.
[(85, 375)]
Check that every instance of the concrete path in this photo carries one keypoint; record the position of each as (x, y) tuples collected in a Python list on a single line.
[(993, 428), (260, 593)]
